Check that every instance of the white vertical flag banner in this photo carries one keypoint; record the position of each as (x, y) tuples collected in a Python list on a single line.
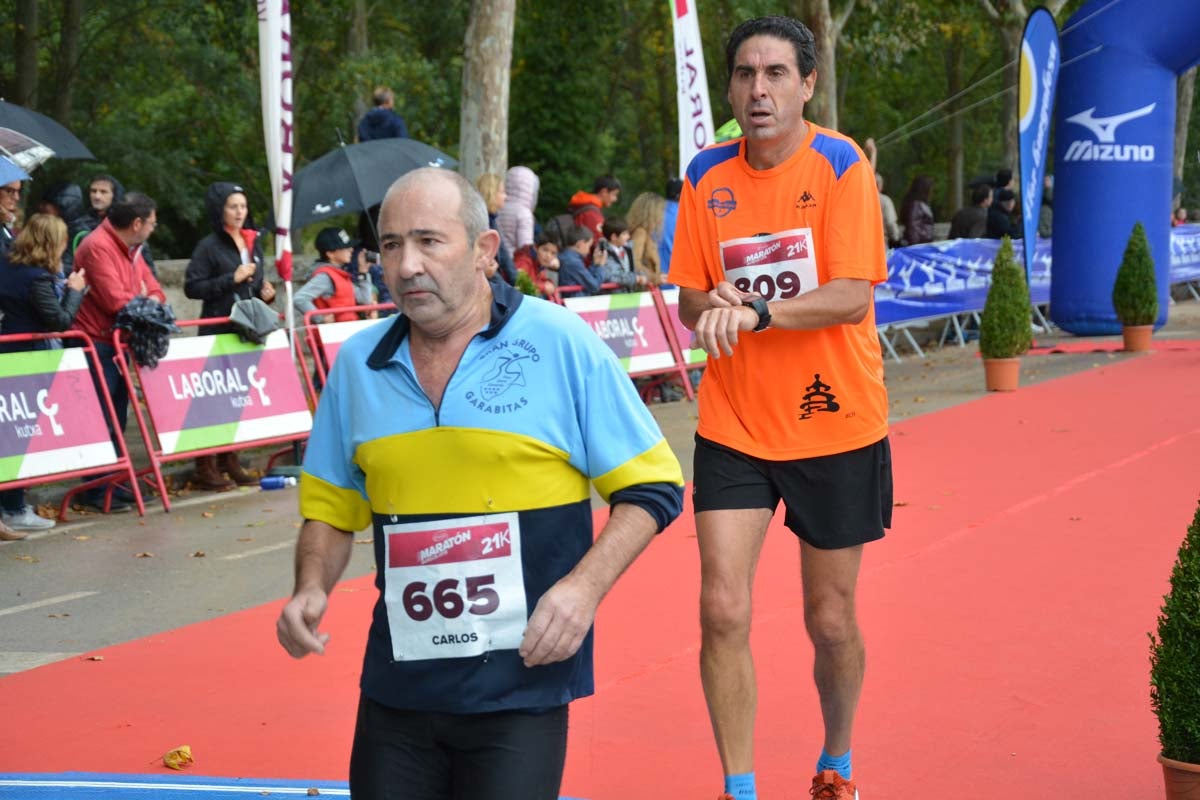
[(275, 73), (695, 109)]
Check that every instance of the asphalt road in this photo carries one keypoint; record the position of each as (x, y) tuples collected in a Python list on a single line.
[(100, 580)]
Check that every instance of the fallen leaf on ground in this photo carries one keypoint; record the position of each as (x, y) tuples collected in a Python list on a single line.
[(207, 514), (179, 758), (82, 538), (143, 555), (94, 658), (258, 524), (900, 503), (23, 557), (57, 616), (1076, 519), (197, 554), (246, 539)]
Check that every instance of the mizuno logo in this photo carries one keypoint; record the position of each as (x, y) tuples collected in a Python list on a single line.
[(1105, 128)]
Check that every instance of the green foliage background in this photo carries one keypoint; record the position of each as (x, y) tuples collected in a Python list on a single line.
[(166, 92)]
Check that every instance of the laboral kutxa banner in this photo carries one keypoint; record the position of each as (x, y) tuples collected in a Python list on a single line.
[(210, 391), (630, 326), (50, 415), (691, 355)]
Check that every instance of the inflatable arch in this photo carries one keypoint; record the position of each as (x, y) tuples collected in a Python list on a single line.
[(1113, 150)]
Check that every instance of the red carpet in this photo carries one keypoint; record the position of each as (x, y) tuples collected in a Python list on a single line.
[(1005, 615)]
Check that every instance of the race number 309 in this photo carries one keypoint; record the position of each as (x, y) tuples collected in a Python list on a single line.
[(784, 285), (478, 598)]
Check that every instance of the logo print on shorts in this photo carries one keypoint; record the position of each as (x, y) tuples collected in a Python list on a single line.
[(818, 398), (722, 202)]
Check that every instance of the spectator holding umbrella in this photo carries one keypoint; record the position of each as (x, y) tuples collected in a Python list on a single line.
[(227, 265), (33, 302), (10, 200)]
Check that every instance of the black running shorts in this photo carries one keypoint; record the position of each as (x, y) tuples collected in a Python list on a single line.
[(425, 755), (834, 501)]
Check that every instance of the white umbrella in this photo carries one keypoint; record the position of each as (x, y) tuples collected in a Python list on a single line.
[(26, 153)]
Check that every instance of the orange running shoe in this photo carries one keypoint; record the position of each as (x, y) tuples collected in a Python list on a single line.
[(829, 785)]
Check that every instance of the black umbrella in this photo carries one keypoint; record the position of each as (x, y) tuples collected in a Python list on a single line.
[(45, 130), (355, 177)]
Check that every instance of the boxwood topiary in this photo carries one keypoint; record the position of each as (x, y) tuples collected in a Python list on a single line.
[(1135, 293), (1004, 330), (1175, 655)]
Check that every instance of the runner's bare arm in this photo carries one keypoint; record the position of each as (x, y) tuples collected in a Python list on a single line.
[(564, 614), (841, 301), (693, 302), (322, 552)]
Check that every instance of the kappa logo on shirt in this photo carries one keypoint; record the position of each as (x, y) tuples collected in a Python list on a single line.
[(507, 362), (806, 200), (722, 202)]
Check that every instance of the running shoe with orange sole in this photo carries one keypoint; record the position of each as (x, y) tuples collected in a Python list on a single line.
[(829, 785)]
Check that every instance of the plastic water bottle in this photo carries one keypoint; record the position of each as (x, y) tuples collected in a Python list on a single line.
[(276, 481)]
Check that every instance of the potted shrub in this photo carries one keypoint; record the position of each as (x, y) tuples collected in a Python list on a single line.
[(1004, 331), (1135, 293), (1175, 671)]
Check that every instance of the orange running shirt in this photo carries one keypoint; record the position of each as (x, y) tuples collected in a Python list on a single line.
[(787, 394)]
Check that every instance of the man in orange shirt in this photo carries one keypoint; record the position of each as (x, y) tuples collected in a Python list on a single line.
[(777, 249)]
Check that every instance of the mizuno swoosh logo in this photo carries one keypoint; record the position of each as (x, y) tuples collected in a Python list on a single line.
[(1105, 128)]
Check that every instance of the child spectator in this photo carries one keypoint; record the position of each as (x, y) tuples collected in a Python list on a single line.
[(573, 270), (336, 282), (619, 255), (540, 263), (514, 220)]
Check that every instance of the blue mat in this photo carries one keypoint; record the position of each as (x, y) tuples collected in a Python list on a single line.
[(93, 786)]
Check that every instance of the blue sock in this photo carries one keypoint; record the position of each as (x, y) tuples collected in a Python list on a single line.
[(840, 763), (741, 786)]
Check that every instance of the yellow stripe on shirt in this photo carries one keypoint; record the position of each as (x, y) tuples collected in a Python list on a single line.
[(466, 470), (656, 465)]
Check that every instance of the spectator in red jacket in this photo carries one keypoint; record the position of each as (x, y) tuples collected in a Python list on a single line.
[(587, 208), (111, 257)]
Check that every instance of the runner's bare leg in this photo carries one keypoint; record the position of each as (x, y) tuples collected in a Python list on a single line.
[(730, 544)]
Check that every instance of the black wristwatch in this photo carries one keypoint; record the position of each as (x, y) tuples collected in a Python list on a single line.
[(764, 316)]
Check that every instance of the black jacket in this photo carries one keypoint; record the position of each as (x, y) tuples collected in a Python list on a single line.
[(209, 275), (31, 305)]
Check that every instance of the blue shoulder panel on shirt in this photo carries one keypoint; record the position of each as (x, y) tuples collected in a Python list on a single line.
[(707, 159), (840, 154)]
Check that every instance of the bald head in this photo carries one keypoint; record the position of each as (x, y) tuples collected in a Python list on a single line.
[(431, 182)]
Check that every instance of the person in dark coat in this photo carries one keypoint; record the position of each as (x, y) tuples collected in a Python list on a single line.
[(382, 121), (226, 266), (915, 214), (33, 302), (999, 220)]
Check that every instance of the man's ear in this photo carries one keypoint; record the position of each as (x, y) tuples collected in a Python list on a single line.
[(487, 244)]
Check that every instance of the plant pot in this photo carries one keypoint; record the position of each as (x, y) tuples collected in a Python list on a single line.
[(1182, 780), (1137, 337), (1001, 374)]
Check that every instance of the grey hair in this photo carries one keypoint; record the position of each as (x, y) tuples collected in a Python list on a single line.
[(472, 210)]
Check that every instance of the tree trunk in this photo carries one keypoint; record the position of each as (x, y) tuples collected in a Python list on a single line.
[(26, 56), (1010, 112), (954, 124), (67, 59), (357, 44), (822, 109), (1184, 91), (483, 140)]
